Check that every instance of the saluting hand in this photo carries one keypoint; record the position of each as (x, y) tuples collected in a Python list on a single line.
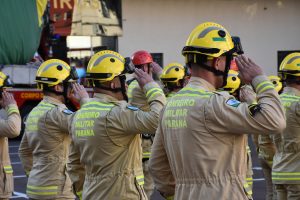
[(79, 91), (8, 99), (142, 77), (248, 69), (156, 68)]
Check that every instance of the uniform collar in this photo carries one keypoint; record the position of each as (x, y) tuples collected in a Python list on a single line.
[(52, 100), (291, 90), (201, 82)]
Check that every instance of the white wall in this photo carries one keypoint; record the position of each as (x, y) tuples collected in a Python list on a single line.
[(265, 26)]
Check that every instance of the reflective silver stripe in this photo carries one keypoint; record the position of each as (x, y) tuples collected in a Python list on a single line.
[(207, 30), (172, 68), (292, 59), (106, 56), (54, 64)]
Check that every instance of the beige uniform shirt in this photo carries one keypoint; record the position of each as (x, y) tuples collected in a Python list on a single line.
[(44, 150), (199, 149), (105, 133), (286, 162), (9, 128), (136, 97)]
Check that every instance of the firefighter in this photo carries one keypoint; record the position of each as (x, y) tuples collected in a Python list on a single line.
[(244, 93), (286, 165), (9, 128), (199, 147), (144, 61), (174, 76), (266, 150), (45, 144), (106, 130)]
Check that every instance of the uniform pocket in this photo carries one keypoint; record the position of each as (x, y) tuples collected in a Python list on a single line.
[(139, 182)]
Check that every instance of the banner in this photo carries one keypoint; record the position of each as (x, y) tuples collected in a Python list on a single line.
[(61, 12)]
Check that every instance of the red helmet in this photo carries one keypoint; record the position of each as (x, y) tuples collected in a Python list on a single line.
[(141, 57)]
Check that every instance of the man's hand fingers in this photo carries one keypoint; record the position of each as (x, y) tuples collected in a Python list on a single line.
[(240, 65)]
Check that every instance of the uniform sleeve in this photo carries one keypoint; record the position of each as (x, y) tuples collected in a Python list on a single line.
[(76, 170), (224, 114), (11, 127), (297, 111), (160, 168), (59, 117), (25, 154), (138, 121)]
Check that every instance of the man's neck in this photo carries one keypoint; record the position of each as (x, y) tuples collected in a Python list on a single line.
[(294, 85), (115, 95), (59, 98)]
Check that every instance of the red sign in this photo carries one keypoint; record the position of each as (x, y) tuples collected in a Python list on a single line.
[(61, 12)]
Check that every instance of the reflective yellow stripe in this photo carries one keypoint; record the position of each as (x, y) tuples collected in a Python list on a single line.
[(41, 193), (192, 95), (146, 154), (140, 179), (8, 169), (150, 93), (42, 190), (286, 173), (96, 108), (79, 194), (44, 104), (93, 103), (247, 189), (42, 187), (287, 179), (292, 97), (290, 176), (196, 90), (266, 88), (170, 198), (263, 86), (12, 110), (151, 90)]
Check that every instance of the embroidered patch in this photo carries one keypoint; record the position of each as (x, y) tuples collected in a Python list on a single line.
[(68, 112), (233, 102), (132, 108)]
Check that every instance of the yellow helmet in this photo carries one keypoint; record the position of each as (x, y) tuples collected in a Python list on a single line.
[(4, 81), (209, 39), (54, 71), (276, 81), (105, 66), (173, 72), (291, 64), (233, 82)]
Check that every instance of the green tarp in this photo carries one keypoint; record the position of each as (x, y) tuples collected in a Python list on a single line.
[(20, 30)]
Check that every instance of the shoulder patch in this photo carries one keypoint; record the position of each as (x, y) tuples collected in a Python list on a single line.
[(67, 111), (233, 102), (132, 108)]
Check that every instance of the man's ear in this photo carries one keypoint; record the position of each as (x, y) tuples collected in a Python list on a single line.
[(217, 63), (58, 88), (112, 85)]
